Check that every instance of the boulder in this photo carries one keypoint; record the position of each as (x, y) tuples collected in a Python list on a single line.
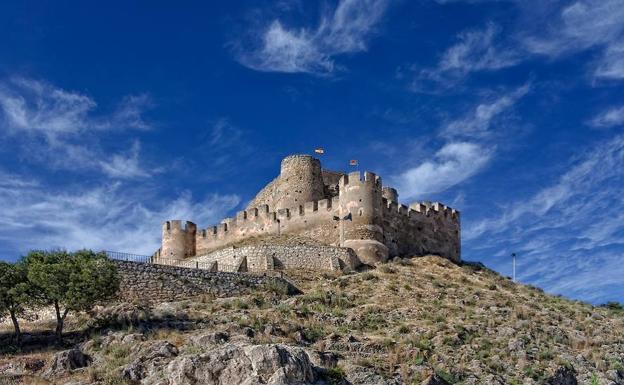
[(563, 376), (359, 375), (434, 379), (208, 339), (67, 361), (243, 364), (150, 357)]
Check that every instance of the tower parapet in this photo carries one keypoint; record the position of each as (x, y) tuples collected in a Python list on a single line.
[(300, 181), (178, 239), (361, 200)]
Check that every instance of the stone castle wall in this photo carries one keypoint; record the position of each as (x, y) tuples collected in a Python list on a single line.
[(277, 257), (357, 212), (421, 229), (159, 283), (313, 219)]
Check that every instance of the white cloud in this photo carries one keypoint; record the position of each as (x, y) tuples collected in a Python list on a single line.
[(451, 165), (550, 29), (476, 50), (125, 166), (478, 123), (611, 65), (470, 143), (609, 118), (102, 218), (59, 129), (569, 232), (582, 25), (32, 106), (346, 30)]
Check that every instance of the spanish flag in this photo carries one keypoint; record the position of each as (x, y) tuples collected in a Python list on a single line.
[(319, 150)]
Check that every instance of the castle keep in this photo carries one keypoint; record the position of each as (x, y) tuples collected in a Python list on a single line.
[(354, 218)]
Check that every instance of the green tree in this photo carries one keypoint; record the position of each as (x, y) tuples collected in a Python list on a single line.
[(15, 293), (71, 281)]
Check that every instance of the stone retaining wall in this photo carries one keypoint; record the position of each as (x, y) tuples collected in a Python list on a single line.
[(159, 283), (277, 257)]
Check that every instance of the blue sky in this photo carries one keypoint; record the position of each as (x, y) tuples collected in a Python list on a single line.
[(115, 117)]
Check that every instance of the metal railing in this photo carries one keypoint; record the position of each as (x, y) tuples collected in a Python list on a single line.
[(222, 267), (128, 257)]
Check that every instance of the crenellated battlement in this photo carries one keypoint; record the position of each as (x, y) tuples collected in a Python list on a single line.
[(176, 225), (372, 220), (355, 178)]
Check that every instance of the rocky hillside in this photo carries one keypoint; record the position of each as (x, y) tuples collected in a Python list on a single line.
[(406, 322)]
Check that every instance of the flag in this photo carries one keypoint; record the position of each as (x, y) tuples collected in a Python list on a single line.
[(353, 162), (319, 150)]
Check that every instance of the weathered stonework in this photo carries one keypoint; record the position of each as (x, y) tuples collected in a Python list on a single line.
[(278, 257), (158, 283), (344, 210)]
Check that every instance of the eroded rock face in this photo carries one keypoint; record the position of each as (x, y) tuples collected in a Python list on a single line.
[(67, 361), (563, 376), (434, 379), (240, 364), (150, 357)]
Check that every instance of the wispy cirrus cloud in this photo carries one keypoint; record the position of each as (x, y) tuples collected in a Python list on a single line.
[(568, 233), (470, 142), (479, 121), (475, 50), (304, 50), (451, 165), (60, 129), (105, 217), (556, 30), (582, 25), (33, 106), (611, 117)]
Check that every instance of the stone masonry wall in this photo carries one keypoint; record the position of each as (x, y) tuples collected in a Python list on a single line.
[(313, 219), (277, 257), (159, 283), (421, 229)]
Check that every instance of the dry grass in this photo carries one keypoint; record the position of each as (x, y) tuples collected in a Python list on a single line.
[(412, 318)]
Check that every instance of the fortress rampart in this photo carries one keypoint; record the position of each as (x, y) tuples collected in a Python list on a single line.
[(357, 212)]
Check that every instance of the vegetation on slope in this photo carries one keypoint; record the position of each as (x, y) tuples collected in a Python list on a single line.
[(399, 323)]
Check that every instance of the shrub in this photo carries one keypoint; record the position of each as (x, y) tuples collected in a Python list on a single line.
[(612, 305), (276, 287), (335, 376), (385, 268)]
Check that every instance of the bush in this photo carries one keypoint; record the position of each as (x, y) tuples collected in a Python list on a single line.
[(276, 287), (335, 376), (15, 293), (71, 281), (612, 305)]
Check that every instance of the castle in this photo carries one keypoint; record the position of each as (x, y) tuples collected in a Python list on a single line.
[(355, 218)]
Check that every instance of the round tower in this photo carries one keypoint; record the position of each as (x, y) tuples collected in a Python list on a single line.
[(390, 194), (300, 181), (361, 216), (178, 242)]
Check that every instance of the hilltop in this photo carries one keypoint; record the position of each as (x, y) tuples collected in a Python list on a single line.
[(409, 321)]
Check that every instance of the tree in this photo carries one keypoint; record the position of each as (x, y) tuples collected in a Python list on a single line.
[(15, 292), (71, 281)]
